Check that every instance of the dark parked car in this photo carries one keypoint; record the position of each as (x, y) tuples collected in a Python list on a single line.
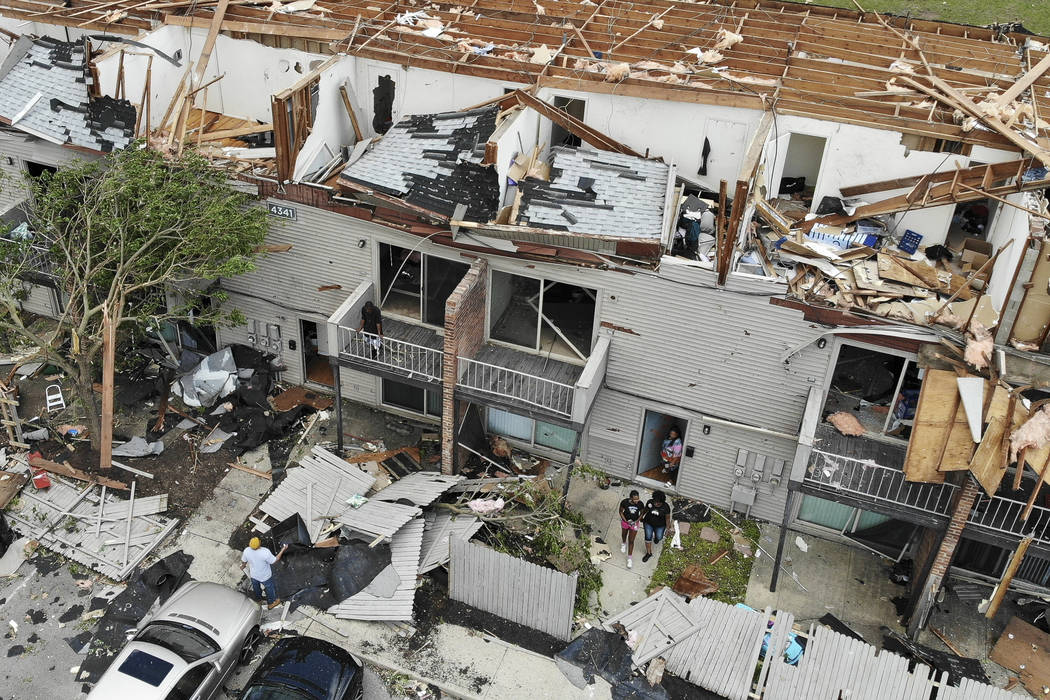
[(304, 668)]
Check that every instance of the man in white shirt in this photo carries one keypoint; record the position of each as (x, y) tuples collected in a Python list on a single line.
[(258, 560)]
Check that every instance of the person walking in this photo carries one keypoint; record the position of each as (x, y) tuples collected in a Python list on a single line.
[(258, 560), (630, 514), (657, 520)]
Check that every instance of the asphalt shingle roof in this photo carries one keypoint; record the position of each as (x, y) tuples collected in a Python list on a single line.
[(65, 112)]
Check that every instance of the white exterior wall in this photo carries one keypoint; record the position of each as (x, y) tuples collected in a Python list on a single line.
[(1008, 223)]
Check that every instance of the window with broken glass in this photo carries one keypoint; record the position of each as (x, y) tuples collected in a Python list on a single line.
[(416, 285), (880, 387), (542, 315), (531, 432)]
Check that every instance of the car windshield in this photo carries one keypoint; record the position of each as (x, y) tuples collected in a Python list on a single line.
[(145, 667), (267, 691), (190, 644)]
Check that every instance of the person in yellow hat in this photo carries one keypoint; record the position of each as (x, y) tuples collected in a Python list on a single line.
[(258, 559)]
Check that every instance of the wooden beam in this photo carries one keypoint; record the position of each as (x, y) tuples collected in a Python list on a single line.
[(284, 30), (74, 473), (350, 112), (239, 131), (1035, 489), (1026, 81), (1008, 576), (574, 125)]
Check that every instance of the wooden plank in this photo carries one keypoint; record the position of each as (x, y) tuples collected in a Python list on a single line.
[(987, 464), (109, 350), (1008, 576), (350, 112), (10, 484), (235, 133), (1026, 81), (960, 446), (1024, 649), (934, 417), (249, 470), (1033, 315), (73, 473)]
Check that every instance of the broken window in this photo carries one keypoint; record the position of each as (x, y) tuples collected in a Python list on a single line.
[(879, 388), (915, 142), (560, 136), (412, 398), (531, 432), (880, 533), (551, 317), (662, 447), (416, 285), (35, 170)]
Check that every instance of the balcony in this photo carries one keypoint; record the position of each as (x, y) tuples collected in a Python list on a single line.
[(514, 380)]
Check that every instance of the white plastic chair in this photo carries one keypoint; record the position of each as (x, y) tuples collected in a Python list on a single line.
[(54, 398)]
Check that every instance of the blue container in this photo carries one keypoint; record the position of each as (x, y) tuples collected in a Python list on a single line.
[(910, 241)]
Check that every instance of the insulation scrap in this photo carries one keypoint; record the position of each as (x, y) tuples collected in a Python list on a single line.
[(947, 318), (540, 10), (726, 39), (751, 79), (892, 86), (1034, 432), (846, 423), (1026, 347), (541, 55), (617, 72), (979, 346), (484, 506), (899, 66), (711, 56), (658, 23)]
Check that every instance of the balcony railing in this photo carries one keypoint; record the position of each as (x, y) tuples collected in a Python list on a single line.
[(415, 361), (876, 482), (1004, 515), (507, 383)]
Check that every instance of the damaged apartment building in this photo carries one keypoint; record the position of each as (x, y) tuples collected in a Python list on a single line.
[(587, 224)]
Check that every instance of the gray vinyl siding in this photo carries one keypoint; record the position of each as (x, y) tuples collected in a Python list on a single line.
[(40, 300), (20, 149)]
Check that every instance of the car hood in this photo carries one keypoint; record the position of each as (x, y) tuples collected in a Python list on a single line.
[(217, 610)]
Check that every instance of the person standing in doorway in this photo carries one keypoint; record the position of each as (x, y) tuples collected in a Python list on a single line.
[(630, 515), (657, 520), (372, 325), (671, 450), (258, 560)]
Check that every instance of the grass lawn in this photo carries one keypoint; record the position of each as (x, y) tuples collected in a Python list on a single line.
[(1034, 14), (731, 572)]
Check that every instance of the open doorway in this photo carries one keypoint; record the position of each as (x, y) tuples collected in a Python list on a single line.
[(315, 365), (970, 221), (560, 136), (802, 163), (662, 447), (415, 285), (879, 388)]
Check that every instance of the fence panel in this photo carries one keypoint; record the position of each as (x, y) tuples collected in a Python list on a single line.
[(512, 588)]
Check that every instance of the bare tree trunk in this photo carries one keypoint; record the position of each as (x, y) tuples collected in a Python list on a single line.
[(84, 387)]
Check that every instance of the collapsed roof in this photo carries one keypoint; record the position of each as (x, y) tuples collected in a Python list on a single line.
[(44, 91), (821, 62), (433, 161), (598, 193)]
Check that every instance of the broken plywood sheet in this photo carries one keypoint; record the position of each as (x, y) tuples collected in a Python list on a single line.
[(988, 465), (1025, 649), (1000, 406), (660, 621), (909, 272), (960, 446), (405, 547), (10, 484), (866, 273), (935, 419), (1033, 316)]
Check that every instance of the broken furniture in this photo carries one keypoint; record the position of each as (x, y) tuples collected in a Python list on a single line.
[(54, 399)]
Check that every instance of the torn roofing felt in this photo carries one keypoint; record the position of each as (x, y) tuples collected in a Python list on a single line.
[(433, 161), (44, 92), (599, 193)]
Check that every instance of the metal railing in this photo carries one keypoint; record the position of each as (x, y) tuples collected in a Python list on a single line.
[(416, 361), (518, 386), (878, 483), (1004, 515)]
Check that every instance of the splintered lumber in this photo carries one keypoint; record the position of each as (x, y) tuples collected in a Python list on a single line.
[(1008, 576), (959, 447), (350, 112), (74, 473), (256, 472), (1013, 92), (109, 350), (236, 133), (1035, 490)]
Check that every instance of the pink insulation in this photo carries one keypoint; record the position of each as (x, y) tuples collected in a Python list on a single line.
[(1033, 433), (979, 346), (846, 423)]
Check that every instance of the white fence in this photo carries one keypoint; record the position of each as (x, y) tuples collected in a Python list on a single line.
[(512, 588)]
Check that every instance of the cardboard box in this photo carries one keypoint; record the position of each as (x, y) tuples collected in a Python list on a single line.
[(976, 252)]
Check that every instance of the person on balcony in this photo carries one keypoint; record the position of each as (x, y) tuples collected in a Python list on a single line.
[(671, 450), (372, 325)]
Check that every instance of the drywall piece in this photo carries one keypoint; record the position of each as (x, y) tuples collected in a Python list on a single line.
[(971, 391)]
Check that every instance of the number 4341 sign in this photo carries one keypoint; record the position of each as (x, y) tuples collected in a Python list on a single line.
[(282, 211)]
